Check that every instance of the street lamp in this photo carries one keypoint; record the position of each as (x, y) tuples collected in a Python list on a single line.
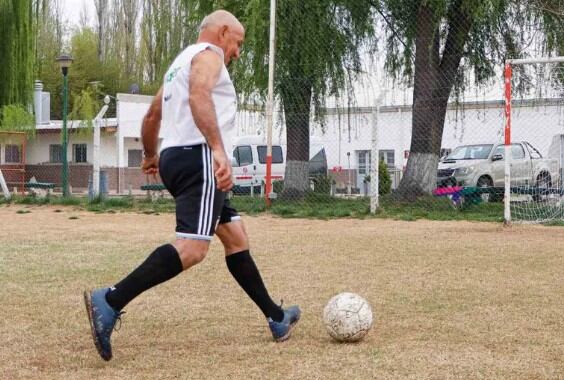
[(64, 62)]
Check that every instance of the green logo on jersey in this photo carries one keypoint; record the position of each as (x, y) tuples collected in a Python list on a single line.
[(170, 76)]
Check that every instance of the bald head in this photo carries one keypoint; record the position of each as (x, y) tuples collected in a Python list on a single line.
[(223, 29), (219, 19)]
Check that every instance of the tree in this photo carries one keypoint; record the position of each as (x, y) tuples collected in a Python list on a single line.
[(318, 46), (438, 43), (166, 29), (102, 14), (16, 52), (15, 118)]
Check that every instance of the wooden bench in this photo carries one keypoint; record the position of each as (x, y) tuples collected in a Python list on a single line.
[(39, 188), (154, 190)]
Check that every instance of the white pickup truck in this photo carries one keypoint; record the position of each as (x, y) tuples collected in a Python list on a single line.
[(482, 165)]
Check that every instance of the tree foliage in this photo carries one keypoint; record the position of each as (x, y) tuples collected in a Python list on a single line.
[(318, 45), (16, 52), (15, 118), (441, 45)]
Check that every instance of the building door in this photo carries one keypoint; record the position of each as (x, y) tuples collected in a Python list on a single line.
[(363, 159)]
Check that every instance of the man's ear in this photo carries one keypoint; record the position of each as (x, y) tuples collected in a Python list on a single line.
[(223, 32)]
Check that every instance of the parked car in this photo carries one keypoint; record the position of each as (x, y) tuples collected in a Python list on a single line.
[(249, 162), (482, 165)]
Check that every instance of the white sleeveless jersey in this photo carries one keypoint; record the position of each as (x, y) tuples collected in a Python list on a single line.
[(177, 125)]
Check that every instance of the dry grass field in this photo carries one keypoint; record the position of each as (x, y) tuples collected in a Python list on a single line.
[(451, 300)]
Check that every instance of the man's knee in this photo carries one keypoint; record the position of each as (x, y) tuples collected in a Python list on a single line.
[(233, 236), (191, 252)]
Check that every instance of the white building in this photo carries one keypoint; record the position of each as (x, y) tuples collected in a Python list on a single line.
[(346, 136)]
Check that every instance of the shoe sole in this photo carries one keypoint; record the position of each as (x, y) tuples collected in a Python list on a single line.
[(287, 335), (88, 304)]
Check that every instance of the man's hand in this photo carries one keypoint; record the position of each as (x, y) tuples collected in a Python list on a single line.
[(222, 170), (150, 165)]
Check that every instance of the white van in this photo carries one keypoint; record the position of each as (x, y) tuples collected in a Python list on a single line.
[(249, 162)]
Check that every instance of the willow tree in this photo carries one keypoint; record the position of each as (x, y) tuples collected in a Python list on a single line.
[(167, 28), (16, 52), (318, 45), (438, 44)]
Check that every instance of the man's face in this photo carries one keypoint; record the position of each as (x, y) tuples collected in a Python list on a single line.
[(231, 38)]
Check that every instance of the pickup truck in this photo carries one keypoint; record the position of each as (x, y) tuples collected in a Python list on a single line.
[(482, 165)]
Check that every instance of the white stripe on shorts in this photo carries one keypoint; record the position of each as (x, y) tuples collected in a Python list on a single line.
[(201, 218), (208, 193), (182, 235), (211, 191)]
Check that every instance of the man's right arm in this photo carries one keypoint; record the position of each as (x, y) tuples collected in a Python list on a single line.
[(205, 71)]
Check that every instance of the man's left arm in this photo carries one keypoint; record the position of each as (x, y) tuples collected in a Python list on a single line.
[(150, 134)]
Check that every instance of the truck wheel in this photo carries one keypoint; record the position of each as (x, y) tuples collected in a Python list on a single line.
[(544, 183), (486, 182)]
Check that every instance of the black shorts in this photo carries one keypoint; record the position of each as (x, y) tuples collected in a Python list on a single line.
[(187, 173)]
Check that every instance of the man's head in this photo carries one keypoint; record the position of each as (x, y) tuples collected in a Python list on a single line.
[(223, 29)]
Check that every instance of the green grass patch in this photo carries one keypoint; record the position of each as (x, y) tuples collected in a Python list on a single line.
[(313, 205)]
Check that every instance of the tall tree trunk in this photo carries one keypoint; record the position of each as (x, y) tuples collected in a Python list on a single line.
[(296, 100), (434, 80), (131, 9), (102, 13)]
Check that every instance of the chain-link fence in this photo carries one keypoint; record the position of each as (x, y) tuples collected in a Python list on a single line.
[(370, 99), (417, 101)]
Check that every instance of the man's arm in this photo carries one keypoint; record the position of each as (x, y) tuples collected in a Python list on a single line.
[(204, 74), (151, 126), (150, 134)]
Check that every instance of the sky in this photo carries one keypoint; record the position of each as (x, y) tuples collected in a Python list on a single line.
[(72, 10)]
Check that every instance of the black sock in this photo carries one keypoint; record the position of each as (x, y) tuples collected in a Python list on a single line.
[(161, 265), (243, 268)]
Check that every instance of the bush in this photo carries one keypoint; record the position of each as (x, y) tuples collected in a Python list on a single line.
[(384, 180), (277, 186), (322, 184)]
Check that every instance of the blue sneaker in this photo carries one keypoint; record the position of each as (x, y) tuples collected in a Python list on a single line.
[(102, 319), (282, 330)]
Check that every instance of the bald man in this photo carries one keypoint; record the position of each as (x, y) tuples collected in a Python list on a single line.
[(196, 106)]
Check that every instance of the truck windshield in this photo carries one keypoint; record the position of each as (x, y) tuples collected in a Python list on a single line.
[(471, 152)]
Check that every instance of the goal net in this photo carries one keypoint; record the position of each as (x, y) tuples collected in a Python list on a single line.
[(534, 138)]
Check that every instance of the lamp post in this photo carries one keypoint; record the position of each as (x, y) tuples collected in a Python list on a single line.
[(64, 62), (349, 190)]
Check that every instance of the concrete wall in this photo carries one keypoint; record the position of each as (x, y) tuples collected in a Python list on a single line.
[(38, 148)]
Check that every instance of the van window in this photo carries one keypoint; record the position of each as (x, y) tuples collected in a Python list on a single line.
[(276, 154), (243, 155)]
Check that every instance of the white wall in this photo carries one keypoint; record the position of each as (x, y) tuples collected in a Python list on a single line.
[(38, 149), (130, 112), (479, 122)]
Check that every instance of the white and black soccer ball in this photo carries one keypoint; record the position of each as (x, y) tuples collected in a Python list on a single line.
[(347, 317)]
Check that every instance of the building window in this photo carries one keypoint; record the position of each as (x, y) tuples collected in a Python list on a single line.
[(388, 156), (276, 154), (79, 153), (134, 158), (12, 154), (55, 153)]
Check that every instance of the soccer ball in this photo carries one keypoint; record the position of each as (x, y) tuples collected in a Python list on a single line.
[(347, 317)]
